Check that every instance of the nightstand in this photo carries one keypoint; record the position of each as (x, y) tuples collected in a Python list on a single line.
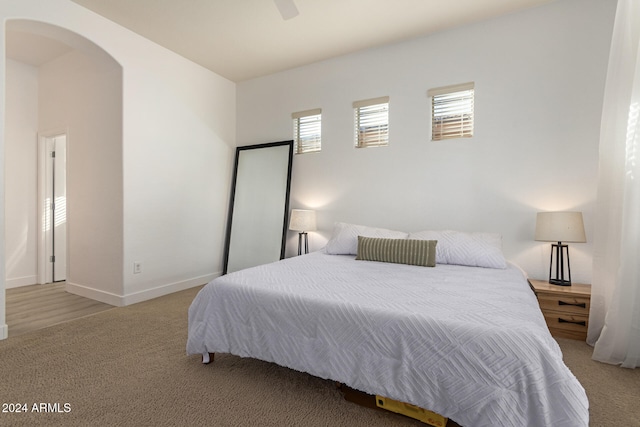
[(565, 308)]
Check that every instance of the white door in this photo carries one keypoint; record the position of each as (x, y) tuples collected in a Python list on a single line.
[(60, 208), (55, 208)]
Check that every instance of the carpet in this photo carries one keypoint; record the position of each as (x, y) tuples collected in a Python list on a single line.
[(128, 367)]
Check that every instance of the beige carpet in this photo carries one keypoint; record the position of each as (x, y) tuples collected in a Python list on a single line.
[(127, 367)]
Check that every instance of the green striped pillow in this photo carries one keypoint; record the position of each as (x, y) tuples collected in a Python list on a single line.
[(400, 251)]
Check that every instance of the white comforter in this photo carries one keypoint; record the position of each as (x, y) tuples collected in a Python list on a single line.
[(469, 343)]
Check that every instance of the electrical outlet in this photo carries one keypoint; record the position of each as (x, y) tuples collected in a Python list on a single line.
[(137, 267)]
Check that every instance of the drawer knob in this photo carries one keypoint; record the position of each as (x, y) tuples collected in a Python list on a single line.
[(576, 322), (577, 304)]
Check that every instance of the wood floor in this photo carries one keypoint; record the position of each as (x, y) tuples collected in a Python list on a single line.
[(29, 308)]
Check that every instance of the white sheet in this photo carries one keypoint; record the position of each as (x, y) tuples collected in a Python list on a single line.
[(466, 342)]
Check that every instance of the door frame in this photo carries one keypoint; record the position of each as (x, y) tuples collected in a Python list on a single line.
[(45, 273)]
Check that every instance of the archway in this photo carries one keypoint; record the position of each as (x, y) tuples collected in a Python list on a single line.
[(59, 82)]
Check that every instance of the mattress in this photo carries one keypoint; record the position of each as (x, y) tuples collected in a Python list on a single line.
[(469, 343)]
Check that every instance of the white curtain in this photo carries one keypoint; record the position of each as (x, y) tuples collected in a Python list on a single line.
[(614, 321)]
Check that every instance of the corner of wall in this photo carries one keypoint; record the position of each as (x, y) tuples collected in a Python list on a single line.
[(136, 297)]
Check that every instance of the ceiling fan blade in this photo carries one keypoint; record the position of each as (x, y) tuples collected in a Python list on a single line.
[(287, 8)]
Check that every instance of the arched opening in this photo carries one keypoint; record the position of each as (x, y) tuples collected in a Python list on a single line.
[(60, 83)]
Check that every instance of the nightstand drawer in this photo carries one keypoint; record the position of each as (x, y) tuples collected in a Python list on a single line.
[(564, 303), (567, 325), (565, 308)]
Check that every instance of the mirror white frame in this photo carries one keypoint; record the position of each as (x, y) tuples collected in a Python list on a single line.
[(259, 206)]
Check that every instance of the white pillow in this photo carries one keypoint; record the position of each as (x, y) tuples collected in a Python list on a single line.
[(460, 248), (344, 239)]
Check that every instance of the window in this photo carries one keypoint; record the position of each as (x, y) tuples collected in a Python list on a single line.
[(307, 131), (372, 122), (452, 111)]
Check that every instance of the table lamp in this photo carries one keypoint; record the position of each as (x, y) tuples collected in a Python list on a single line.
[(560, 227), (302, 220)]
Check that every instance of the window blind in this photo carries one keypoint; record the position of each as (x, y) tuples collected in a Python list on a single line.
[(307, 131), (452, 111), (372, 122)]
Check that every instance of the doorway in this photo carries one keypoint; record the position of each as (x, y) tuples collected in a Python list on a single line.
[(52, 205)]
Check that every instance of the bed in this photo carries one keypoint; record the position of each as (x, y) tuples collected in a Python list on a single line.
[(466, 341)]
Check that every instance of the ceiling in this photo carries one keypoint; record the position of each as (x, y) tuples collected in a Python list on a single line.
[(243, 39), (32, 49)]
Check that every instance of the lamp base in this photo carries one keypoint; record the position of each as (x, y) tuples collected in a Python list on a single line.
[(560, 282), (303, 239), (561, 253)]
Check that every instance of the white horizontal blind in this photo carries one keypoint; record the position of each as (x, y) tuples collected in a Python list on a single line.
[(307, 131), (452, 111), (372, 122)]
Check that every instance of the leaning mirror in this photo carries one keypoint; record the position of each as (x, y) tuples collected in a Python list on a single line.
[(257, 223)]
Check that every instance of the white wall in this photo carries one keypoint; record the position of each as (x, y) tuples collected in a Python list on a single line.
[(4, 329), (178, 138), (20, 173), (179, 127), (539, 78), (81, 93)]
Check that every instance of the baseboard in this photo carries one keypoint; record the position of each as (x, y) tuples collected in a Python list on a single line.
[(21, 281), (170, 288), (94, 294), (4, 332), (136, 297)]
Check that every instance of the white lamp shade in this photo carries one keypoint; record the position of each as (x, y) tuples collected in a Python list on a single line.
[(302, 220), (560, 227)]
